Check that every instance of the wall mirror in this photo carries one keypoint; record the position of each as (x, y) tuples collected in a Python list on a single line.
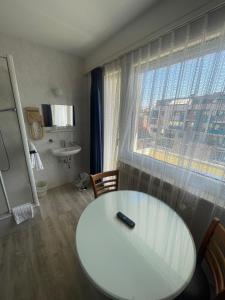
[(58, 115)]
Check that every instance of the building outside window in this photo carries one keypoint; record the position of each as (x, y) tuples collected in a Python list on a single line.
[(172, 127)]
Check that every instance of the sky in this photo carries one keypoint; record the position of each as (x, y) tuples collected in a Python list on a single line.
[(204, 75)]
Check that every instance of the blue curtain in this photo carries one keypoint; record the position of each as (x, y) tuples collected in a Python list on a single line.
[(96, 143)]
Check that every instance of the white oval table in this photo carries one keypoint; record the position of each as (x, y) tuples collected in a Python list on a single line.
[(154, 260)]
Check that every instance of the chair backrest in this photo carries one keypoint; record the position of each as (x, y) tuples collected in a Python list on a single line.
[(105, 182), (213, 251)]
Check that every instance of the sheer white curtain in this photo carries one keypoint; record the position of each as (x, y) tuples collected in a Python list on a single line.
[(112, 75), (173, 110), (172, 113)]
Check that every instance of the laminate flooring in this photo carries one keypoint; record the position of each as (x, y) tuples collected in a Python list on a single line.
[(37, 257)]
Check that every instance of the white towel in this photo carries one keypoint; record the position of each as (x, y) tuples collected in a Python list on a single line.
[(23, 212), (36, 162)]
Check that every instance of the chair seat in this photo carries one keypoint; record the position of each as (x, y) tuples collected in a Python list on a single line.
[(198, 288)]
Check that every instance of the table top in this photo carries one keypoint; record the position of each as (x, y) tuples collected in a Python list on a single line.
[(154, 260)]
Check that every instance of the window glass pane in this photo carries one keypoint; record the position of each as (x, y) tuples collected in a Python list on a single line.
[(181, 118)]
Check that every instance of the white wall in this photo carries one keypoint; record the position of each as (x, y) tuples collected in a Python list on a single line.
[(161, 17), (38, 70)]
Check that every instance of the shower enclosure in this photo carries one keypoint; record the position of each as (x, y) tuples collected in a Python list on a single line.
[(17, 184)]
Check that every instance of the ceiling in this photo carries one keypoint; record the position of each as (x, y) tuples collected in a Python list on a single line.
[(75, 26)]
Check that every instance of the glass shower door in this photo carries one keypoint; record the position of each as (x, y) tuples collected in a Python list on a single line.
[(13, 165), (4, 165), (6, 101)]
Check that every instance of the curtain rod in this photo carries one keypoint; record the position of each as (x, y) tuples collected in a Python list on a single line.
[(178, 23)]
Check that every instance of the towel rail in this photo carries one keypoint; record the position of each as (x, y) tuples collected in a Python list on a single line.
[(8, 109)]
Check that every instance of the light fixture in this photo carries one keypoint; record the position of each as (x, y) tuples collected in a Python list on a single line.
[(57, 92)]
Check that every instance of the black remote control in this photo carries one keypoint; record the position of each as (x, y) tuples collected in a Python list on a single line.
[(125, 219)]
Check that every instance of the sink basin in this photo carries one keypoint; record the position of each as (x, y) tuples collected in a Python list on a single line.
[(67, 151)]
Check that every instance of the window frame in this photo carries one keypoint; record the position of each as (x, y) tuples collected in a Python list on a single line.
[(201, 184)]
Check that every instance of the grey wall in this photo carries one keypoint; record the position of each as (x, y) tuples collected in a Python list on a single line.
[(161, 17), (38, 70)]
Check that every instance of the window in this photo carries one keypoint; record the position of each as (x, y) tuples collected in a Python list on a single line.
[(172, 108), (181, 119)]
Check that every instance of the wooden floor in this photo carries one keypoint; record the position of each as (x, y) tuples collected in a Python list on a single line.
[(37, 258)]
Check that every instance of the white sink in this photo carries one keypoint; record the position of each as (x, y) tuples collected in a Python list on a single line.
[(67, 151)]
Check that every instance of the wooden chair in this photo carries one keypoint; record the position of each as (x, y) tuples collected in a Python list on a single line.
[(105, 182), (212, 250)]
